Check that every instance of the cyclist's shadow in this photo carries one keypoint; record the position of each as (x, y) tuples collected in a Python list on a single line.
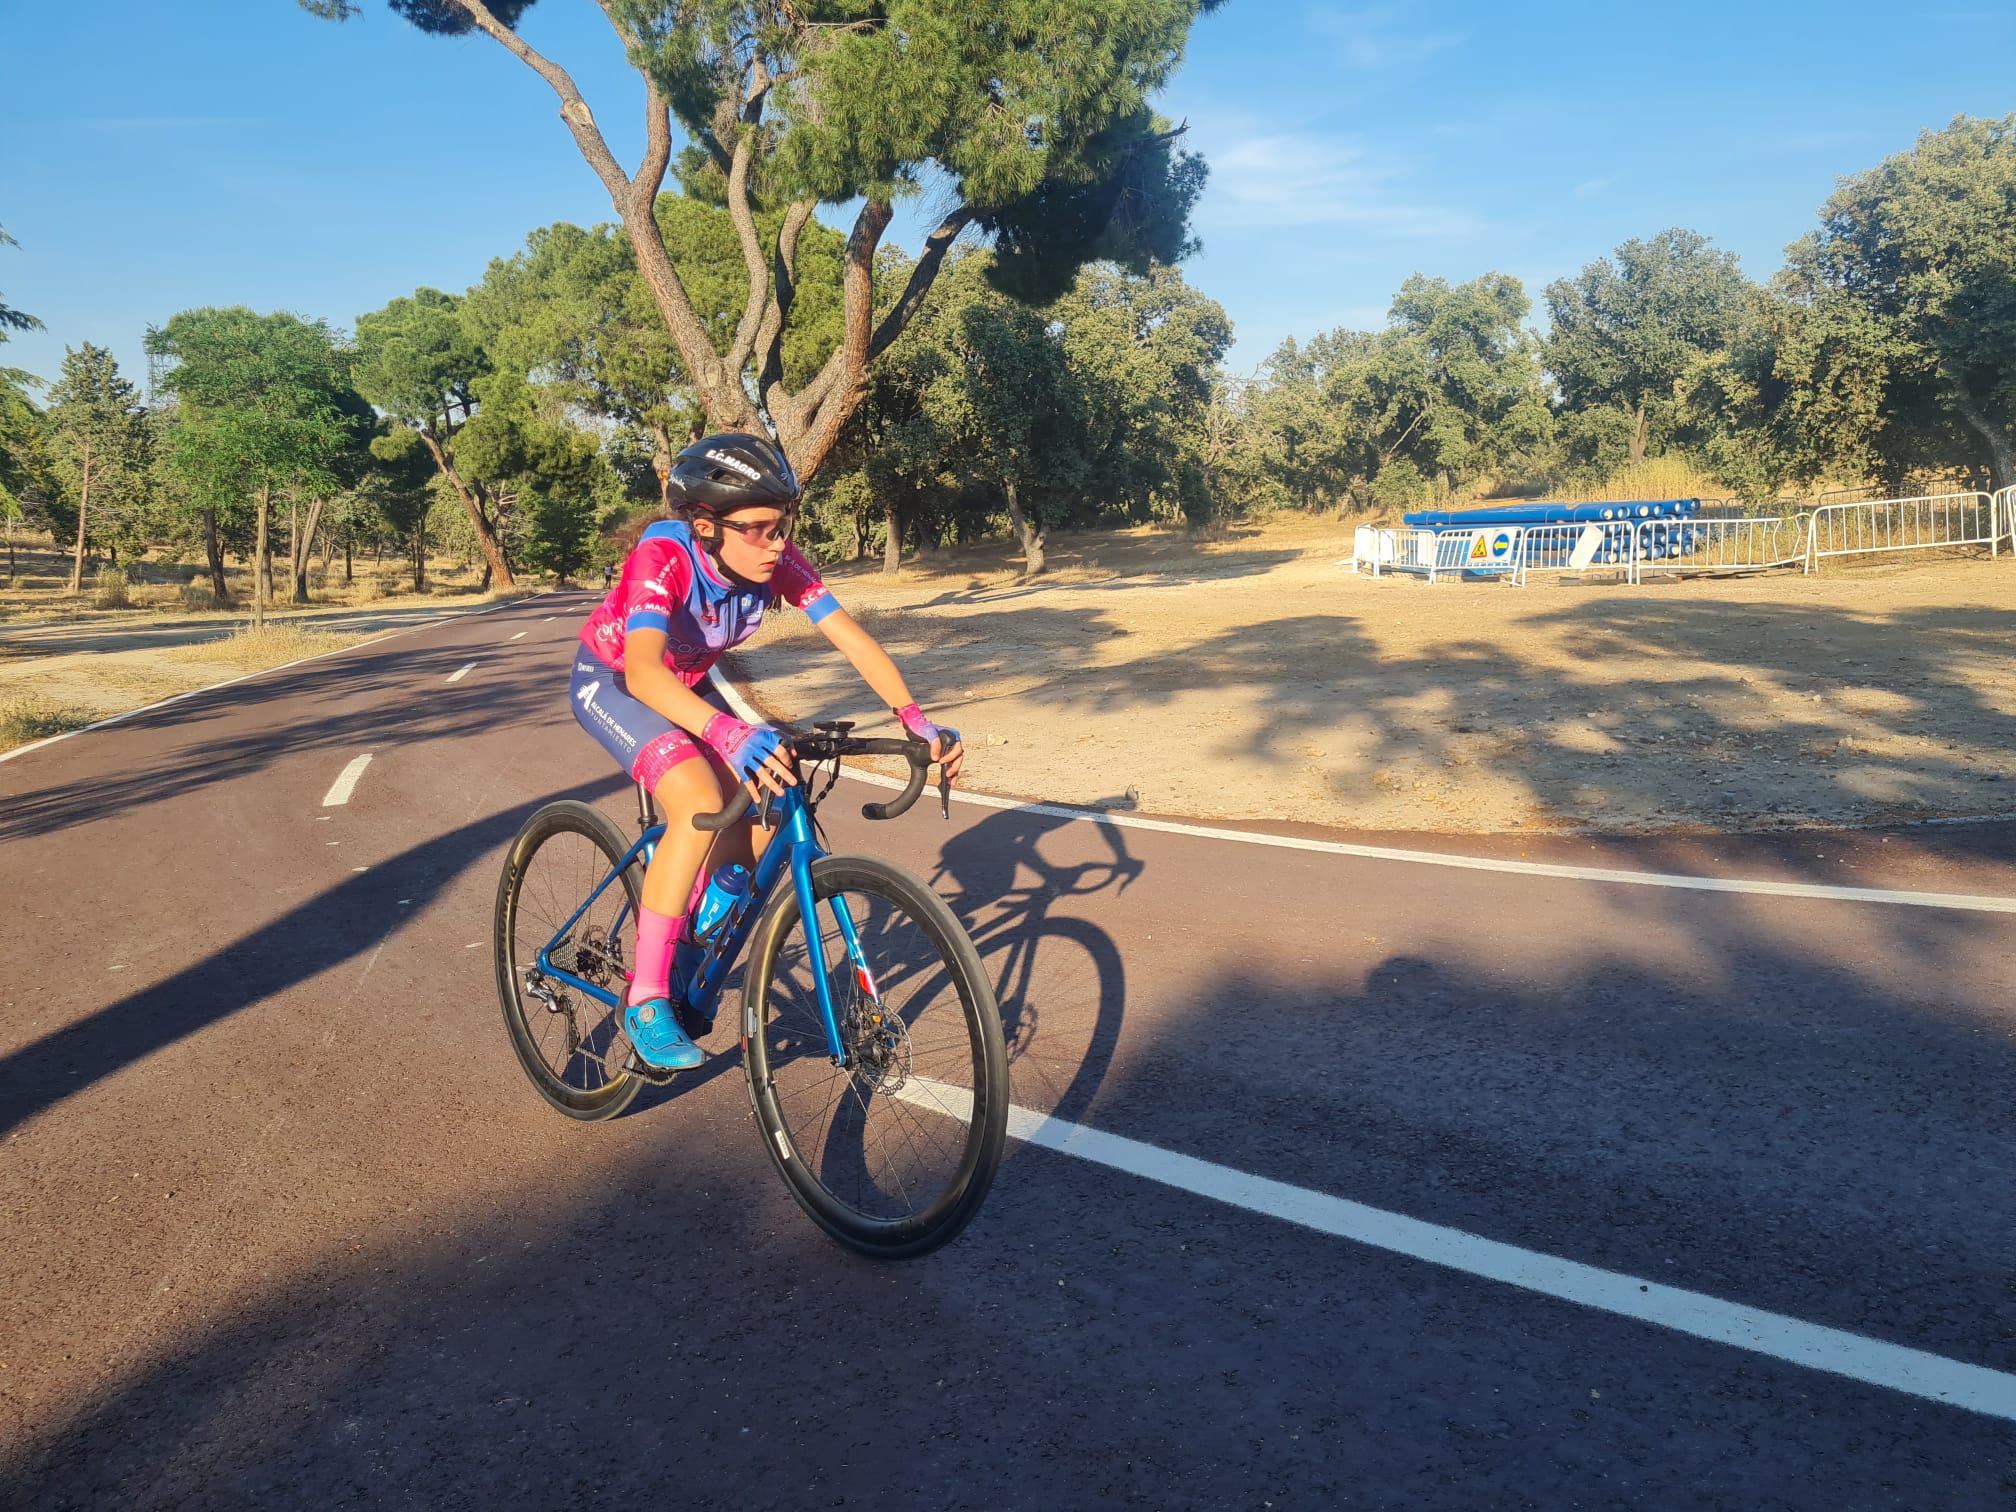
[(1061, 1027)]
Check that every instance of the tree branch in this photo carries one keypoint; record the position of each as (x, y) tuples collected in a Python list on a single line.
[(777, 315), (744, 219), (936, 245), (844, 379), (721, 392), (574, 110)]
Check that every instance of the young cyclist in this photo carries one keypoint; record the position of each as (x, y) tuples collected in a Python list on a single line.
[(693, 587)]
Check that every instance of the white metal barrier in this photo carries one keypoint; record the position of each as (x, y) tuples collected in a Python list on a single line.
[(1733, 544), (1935, 520), (1576, 548), (1427, 553), (2005, 515)]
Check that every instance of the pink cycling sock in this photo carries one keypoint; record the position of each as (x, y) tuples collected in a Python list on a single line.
[(657, 936)]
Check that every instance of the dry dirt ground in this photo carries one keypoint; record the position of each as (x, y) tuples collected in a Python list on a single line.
[(1254, 678)]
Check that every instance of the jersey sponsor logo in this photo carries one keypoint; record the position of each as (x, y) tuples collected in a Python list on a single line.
[(734, 464), (587, 693)]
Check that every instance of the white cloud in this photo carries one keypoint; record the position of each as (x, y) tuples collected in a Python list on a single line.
[(1590, 188), (1378, 38), (1297, 179)]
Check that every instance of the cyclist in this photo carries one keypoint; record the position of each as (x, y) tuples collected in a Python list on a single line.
[(692, 588)]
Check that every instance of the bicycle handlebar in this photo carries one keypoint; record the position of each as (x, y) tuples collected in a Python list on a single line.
[(821, 746)]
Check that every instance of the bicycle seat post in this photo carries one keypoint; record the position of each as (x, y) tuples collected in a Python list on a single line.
[(647, 811)]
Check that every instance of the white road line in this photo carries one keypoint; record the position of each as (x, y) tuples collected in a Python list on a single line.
[(1758, 886), (519, 636), (345, 783), (1892, 1366), (461, 672)]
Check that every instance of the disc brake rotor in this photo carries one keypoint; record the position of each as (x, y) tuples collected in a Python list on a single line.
[(878, 1043)]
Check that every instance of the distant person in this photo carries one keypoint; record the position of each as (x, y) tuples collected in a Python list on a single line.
[(693, 587), (608, 573)]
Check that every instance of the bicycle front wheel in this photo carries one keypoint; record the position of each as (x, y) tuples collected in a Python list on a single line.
[(893, 1153), (571, 1044)]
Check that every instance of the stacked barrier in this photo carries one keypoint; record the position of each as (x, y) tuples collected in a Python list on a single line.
[(1515, 541)]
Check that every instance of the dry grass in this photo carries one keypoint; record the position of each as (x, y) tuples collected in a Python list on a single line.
[(27, 717), (272, 645), (39, 588)]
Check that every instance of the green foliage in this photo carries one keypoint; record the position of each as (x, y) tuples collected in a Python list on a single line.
[(1448, 393), (1083, 406), (1917, 259), (418, 361), (1630, 334), (98, 441), (262, 403)]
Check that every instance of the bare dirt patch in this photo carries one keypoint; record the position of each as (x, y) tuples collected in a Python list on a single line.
[(1253, 678)]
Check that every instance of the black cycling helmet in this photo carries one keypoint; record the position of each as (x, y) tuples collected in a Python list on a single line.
[(719, 474)]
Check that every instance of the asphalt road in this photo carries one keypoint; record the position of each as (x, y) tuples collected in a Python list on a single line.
[(285, 1226), (51, 638)]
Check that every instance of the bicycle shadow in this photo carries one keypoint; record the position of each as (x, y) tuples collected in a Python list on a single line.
[(1063, 1026)]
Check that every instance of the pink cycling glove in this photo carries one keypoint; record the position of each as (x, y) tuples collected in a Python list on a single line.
[(914, 721), (742, 746)]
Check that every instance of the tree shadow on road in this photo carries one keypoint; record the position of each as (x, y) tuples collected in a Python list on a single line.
[(206, 740), (1804, 1139), (334, 926)]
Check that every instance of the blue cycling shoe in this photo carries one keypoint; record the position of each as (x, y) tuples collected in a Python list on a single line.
[(657, 1038)]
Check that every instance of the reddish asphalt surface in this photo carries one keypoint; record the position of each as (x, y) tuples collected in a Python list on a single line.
[(285, 1226)]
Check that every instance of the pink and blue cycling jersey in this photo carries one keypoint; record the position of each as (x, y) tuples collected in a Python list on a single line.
[(671, 583)]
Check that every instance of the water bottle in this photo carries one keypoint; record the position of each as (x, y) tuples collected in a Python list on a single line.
[(727, 890)]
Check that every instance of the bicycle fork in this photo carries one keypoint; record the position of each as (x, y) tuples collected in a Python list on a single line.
[(803, 849)]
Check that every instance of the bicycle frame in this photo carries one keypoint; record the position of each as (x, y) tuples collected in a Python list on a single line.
[(796, 847)]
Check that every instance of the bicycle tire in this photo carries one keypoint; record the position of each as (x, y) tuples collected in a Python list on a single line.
[(909, 935), (595, 1092)]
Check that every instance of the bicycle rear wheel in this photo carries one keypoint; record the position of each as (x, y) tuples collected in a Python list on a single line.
[(893, 1154), (571, 1045)]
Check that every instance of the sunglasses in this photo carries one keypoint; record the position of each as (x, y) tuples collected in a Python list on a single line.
[(762, 530)]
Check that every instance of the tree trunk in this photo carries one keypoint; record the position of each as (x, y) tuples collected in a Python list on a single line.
[(1638, 438), (262, 560), (661, 462), (347, 543), (2001, 457), (328, 554), (892, 539), (1032, 538), (420, 557), (213, 553), (472, 505), (83, 508), (302, 545)]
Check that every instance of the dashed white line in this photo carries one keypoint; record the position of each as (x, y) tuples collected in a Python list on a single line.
[(519, 636), (461, 672), (1914, 1372), (346, 782)]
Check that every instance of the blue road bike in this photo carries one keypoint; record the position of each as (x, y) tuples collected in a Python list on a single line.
[(870, 1038)]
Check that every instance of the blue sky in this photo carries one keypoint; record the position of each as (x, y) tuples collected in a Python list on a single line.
[(155, 157)]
